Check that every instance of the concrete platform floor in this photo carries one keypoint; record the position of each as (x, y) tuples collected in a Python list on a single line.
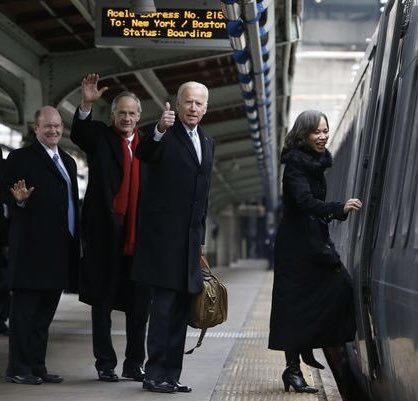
[(232, 364)]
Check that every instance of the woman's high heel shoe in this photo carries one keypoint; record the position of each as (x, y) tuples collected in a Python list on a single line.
[(292, 376), (309, 359)]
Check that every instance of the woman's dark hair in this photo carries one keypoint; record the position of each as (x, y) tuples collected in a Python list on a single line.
[(305, 123)]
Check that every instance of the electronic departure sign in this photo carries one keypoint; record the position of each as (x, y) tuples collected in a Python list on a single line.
[(117, 25)]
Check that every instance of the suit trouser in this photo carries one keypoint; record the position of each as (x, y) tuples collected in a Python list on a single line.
[(166, 334), (4, 291), (4, 305), (31, 313), (136, 321)]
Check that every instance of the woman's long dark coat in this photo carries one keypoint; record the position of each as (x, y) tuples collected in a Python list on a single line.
[(312, 304)]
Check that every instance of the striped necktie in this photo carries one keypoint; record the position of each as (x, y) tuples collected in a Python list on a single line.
[(71, 209)]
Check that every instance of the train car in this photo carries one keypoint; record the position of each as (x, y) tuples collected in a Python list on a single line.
[(375, 148)]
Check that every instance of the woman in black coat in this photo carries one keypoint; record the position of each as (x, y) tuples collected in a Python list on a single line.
[(312, 304)]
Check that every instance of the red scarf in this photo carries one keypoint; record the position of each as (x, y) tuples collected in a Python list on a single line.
[(125, 203)]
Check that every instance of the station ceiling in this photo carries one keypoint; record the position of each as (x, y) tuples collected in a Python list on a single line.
[(46, 47)]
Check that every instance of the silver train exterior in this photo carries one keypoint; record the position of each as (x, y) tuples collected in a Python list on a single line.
[(375, 150)]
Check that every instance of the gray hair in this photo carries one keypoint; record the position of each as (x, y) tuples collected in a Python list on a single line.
[(126, 94), (192, 84), (305, 123)]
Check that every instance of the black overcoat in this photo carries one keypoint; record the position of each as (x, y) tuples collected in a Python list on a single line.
[(102, 276), (39, 246), (173, 207), (312, 304), (3, 239)]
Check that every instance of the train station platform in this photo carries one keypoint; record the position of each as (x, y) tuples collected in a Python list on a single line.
[(233, 363)]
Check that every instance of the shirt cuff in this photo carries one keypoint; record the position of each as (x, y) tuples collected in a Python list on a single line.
[(157, 134), (82, 115)]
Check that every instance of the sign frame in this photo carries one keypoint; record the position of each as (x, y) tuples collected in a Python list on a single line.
[(125, 21)]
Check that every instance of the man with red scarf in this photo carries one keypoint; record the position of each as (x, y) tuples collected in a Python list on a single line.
[(109, 217)]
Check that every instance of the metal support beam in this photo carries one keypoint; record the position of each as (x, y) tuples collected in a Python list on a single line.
[(153, 86), (20, 56)]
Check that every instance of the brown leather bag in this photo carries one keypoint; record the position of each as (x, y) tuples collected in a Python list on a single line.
[(209, 307)]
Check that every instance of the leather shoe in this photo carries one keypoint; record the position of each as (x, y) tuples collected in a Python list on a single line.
[(159, 387), (136, 373), (107, 375), (181, 388), (48, 378), (24, 379)]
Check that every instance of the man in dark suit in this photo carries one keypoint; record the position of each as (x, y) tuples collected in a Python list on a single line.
[(177, 163), (43, 244), (109, 218), (4, 288)]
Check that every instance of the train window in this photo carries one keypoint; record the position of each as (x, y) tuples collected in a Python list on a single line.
[(347, 186), (355, 154), (410, 170), (364, 183), (414, 231), (413, 167), (410, 185), (401, 183), (364, 96)]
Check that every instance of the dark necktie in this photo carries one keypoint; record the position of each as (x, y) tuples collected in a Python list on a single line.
[(71, 210)]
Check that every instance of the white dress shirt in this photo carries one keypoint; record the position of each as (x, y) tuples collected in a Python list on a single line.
[(194, 136)]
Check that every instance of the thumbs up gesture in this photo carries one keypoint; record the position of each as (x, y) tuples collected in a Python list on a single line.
[(167, 118)]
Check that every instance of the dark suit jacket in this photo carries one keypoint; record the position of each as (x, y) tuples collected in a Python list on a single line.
[(173, 208), (3, 241), (39, 246), (101, 274)]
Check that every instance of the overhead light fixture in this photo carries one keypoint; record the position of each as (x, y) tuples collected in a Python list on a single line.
[(143, 6)]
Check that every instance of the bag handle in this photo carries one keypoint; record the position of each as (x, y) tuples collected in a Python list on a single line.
[(199, 342), (204, 265)]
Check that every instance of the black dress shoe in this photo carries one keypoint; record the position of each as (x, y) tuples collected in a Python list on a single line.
[(48, 378), (181, 388), (24, 379), (159, 387), (136, 373), (107, 375)]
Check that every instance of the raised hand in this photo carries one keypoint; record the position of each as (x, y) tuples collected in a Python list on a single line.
[(352, 205), (89, 91), (167, 118), (20, 192)]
